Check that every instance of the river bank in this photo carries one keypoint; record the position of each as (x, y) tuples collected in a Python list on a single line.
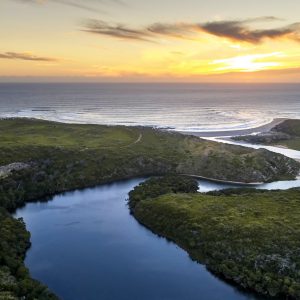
[(248, 236), (112, 255), (285, 134), (262, 137), (61, 157)]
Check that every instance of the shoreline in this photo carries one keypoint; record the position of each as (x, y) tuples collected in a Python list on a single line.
[(227, 133), (224, 181), (112, 166), (210, 134)]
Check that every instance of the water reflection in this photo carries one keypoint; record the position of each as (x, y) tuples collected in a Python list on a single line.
[(86, 246)]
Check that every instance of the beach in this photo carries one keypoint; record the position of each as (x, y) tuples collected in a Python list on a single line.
[(228, 133)]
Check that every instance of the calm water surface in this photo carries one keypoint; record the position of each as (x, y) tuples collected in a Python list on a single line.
[(86, 246)]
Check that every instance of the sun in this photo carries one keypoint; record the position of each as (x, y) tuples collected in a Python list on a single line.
[(248, 63)]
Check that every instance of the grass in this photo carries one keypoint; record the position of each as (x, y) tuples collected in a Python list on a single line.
[(43, 133), (67, 156), (292, 143), (292, 128), (64, 157), (249, 237), (113, 147), (286, 134)]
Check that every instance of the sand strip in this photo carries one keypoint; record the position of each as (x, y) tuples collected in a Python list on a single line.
[(263, 128)]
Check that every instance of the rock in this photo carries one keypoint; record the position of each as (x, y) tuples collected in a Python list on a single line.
[(8, 169)]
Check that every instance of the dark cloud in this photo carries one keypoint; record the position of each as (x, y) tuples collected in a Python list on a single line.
[(117, 31), (180, 30), (239, 31), (234, 30), (25, 56), (148, 34)]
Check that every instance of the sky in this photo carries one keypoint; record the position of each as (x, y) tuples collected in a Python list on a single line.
[(156, 41)]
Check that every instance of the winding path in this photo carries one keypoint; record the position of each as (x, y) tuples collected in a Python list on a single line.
[(135, 142)]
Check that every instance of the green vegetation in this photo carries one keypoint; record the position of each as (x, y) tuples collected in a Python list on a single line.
[(67, 156), (247, 236), (40, 158), (285, 134), (15, 281), (62, 157), (157, 186), (291, 128)]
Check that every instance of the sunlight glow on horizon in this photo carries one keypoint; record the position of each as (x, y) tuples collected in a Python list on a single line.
[(48, 39), (248, 63)]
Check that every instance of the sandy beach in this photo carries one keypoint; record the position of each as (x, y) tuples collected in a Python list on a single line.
[(227, 133)]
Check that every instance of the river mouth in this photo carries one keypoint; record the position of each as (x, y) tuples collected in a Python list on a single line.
[(86, 245)]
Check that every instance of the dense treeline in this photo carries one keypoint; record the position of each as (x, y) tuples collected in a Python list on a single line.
[(157, 186), (41, 158), (62, 157), (249, 237), (15, 281)]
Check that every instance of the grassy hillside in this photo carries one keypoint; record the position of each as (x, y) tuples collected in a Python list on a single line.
[(41, 158), (291, 128), (285, 134), (61, 157), (249, 237)]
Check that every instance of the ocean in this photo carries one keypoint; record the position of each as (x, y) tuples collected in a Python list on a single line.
[(181, 107)]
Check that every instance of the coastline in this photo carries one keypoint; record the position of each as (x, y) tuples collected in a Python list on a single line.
[(73, 168), (236, 132), (224, 181)]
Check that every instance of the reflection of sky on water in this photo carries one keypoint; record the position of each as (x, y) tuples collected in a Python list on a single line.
[(207, 186), (97, 250)]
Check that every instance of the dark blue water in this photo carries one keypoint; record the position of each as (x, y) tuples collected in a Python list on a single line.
[(86, 246)]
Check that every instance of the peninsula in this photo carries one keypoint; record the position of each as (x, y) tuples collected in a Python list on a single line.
[(249, 237), (41, 158), (283, 134)]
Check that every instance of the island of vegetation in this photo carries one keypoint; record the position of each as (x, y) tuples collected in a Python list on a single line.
[(249, 237), (285, 134), (41, 158)]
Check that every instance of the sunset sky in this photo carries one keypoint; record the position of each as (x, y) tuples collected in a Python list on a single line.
[(158, 40)]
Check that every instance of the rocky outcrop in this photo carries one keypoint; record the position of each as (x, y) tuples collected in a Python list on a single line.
[(8, 169)]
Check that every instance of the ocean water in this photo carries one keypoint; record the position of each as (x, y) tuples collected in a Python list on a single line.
[(182, 107)]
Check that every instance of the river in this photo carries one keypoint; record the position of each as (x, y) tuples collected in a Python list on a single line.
[(86, 246)]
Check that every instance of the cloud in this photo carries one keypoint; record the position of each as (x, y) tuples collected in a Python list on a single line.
[(77, 3), (25, 56), (239, 30), (116, 30), (236, 30), (148, 34), (179, 30)]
